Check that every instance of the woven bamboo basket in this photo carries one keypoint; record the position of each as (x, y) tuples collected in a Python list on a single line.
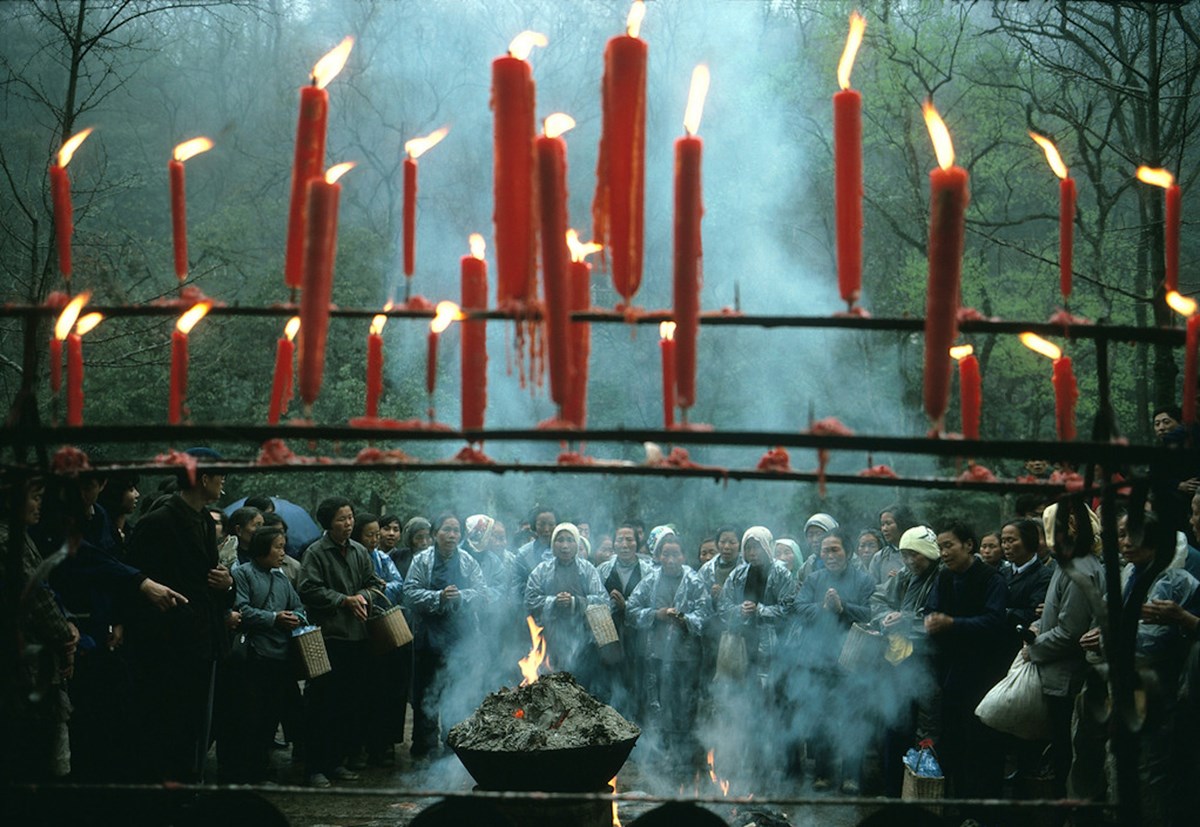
[(863, 649), (388, 630), (311, 656), (602, 626), (918, 788)]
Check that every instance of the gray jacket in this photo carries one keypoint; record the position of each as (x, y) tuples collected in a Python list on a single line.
[(1065, 617)]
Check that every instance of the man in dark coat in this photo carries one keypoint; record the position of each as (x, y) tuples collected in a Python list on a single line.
[(177, 652)]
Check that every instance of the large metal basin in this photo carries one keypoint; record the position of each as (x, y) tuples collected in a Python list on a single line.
[(575, 770)]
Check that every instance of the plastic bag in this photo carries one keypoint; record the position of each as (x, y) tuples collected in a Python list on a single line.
[(227, 551), (732, 657), (1016, 704), (922, 761)]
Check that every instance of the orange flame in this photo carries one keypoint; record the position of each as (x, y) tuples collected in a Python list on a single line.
[(1157, 177), (446, 312), (194, 314), (858, 24), (695, 105), (960, 352), (612, 785), (66, 319), (377, 324), (557, 124), (537, 654), (1039, 345), (68, 148), (520, 713), (419, 146), (633, 23), (1052, 156), (292, 328), (1181, 304), (478, 246), (666, 330), (192, 148), (87, 324), (337, 171), (579, 250), (327, 68), (723, 783), (523, 44), (942, 145)]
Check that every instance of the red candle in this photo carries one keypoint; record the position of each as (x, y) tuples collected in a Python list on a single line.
[(415, 149), (175, 176), (513, 104), (1065, 395), (1066, 212), (580, 290), (1173, 195), (375, 365), (847, 159), (60, 195), (431, 363), (552, 201), (1189, 369), (970, 389), (62, 328), (282, 383), (947, 208), (74, 379), (618, 208), (688, 212), (474, 337), (320, 249), (309, 159), (179, 359), (666, 343)]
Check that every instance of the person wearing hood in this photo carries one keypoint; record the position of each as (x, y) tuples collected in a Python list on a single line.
[(754, 601), (557, 595), (830, 600), (713, 575), (498, 619), (444, 590), (898, 606), (414, 539), (887, 562), (669, 606), (815, 529), (787, 551), (621, 574)]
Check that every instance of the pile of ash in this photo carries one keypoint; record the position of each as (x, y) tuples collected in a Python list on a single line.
[(551, 714)]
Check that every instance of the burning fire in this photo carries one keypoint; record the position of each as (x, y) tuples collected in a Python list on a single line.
[(1039, 345), (723, 783), (1157, 177), (696, 95), (445, 313), (69, 314), (192, 148), (523, 44), (377, 324), (419, 146), (666, 330), (580, 250), (337, 171), (292, 328), (960, 352), (633, 23), (1052, 156), (87, 324), (537, 654), (327, 68), (191, 316), (858, 25), (72, 144), (612, 785), (478, 246), (1181, 304), (943, 147)]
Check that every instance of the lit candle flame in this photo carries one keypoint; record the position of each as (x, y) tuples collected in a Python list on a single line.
[(292, 328), (192, 148), (1157, 177), (337, 171), (446, 313), (695, 104), (960, 352), (1039, 345), (666, 331), (419, 146), (192, 315), (72, 144), (523, 44), (377, 324), (579, 250), (557, 124), (327, 68), (69, 314), (633, 23), (87, 324), (1052, 156), (942, 145), (858, 25), (1181, 304), (478, 246)]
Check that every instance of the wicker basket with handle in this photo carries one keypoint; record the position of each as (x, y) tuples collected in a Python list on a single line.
[(311, 658), (388, 629)]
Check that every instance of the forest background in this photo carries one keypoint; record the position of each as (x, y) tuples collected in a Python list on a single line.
[(1114, 84)]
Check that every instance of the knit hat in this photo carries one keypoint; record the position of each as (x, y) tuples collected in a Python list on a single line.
[(922, 540)]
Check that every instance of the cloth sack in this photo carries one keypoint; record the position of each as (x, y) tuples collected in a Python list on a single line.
[(1016, 704), (732, 658)]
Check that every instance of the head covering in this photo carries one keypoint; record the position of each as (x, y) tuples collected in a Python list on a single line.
[(762, 536), (585, 548), (571, 529), (795, 547), (410, 530), (922, 540), (1049, 518), (480, 524), (656, 537), (822, 521)]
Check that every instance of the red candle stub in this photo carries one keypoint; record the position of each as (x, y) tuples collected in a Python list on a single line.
[(474, 337), (847, 167), (309, 160), (60, 196), (179, 359), (970, 389), (947, 211), (552, 203), (666, 343), (184, 151), (414, 149), (1187, 307), (689, 210), (375, 365), (618, 211), (1173, 197), (513, 152), (580, 299), (281, 384)]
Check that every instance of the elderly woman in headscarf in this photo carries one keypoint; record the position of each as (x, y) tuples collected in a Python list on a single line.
[(557, 595), (755, 600), (787, 551), (414, 539), (669, 607), (815, 529), (498, 619)]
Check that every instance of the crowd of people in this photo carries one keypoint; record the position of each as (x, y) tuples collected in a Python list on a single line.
[(141, 647)]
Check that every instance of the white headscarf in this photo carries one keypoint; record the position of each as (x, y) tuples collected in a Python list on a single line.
[(482, 524), (571, 529), (762, 536)]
